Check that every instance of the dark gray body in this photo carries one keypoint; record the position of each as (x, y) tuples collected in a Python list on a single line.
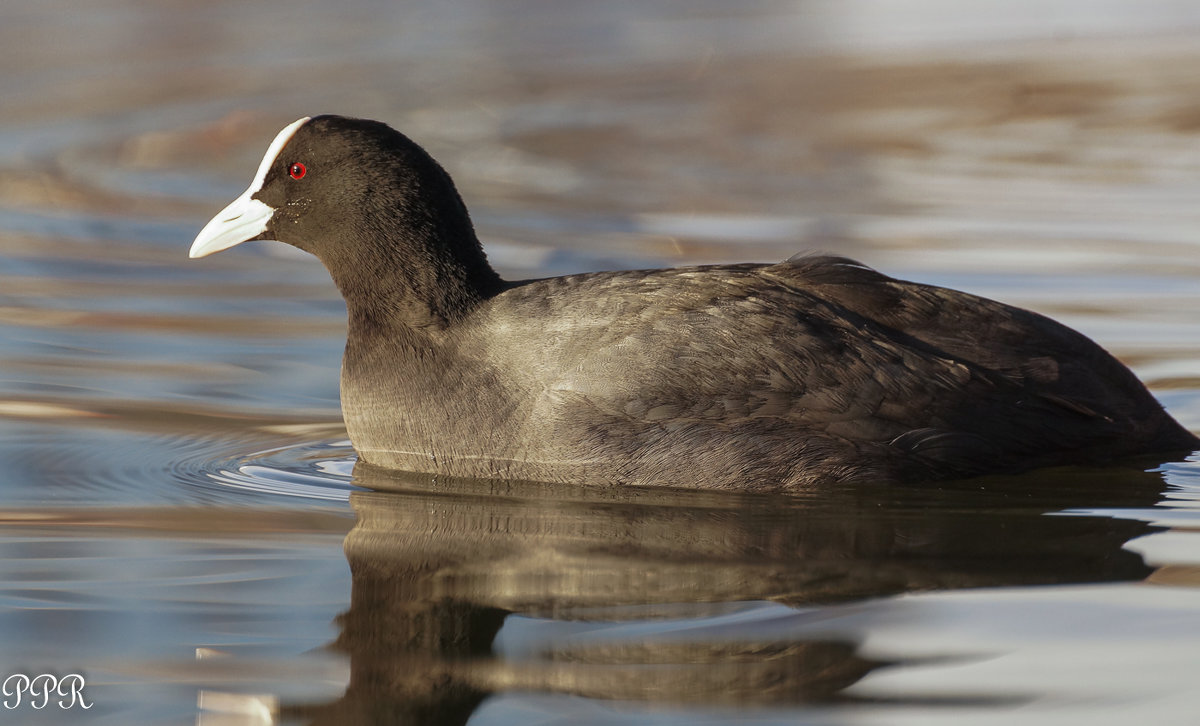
[(749, 377)]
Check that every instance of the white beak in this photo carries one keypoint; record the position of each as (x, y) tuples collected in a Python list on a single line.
[(244, 218)]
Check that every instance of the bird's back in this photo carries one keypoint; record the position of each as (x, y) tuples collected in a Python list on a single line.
[(810, 370)]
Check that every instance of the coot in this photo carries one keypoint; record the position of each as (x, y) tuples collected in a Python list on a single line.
[(812, 371)]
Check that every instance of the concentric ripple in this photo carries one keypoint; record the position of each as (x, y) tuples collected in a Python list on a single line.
[(309, 470), (112, 466)]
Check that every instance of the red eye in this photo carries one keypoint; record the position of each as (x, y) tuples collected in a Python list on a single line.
[(297, 170)]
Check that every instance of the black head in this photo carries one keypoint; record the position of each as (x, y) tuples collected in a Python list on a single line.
[(374, 207)]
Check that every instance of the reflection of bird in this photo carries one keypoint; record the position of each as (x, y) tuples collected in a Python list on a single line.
[(626, 592), (738, 376)]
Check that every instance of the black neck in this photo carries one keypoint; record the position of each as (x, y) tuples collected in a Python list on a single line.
[(397, 290), (421, 265)]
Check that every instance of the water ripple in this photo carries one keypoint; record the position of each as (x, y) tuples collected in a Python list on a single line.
[(112, 465), (310, 470)]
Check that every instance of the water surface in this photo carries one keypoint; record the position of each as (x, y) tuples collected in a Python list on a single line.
[(181, 518)]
